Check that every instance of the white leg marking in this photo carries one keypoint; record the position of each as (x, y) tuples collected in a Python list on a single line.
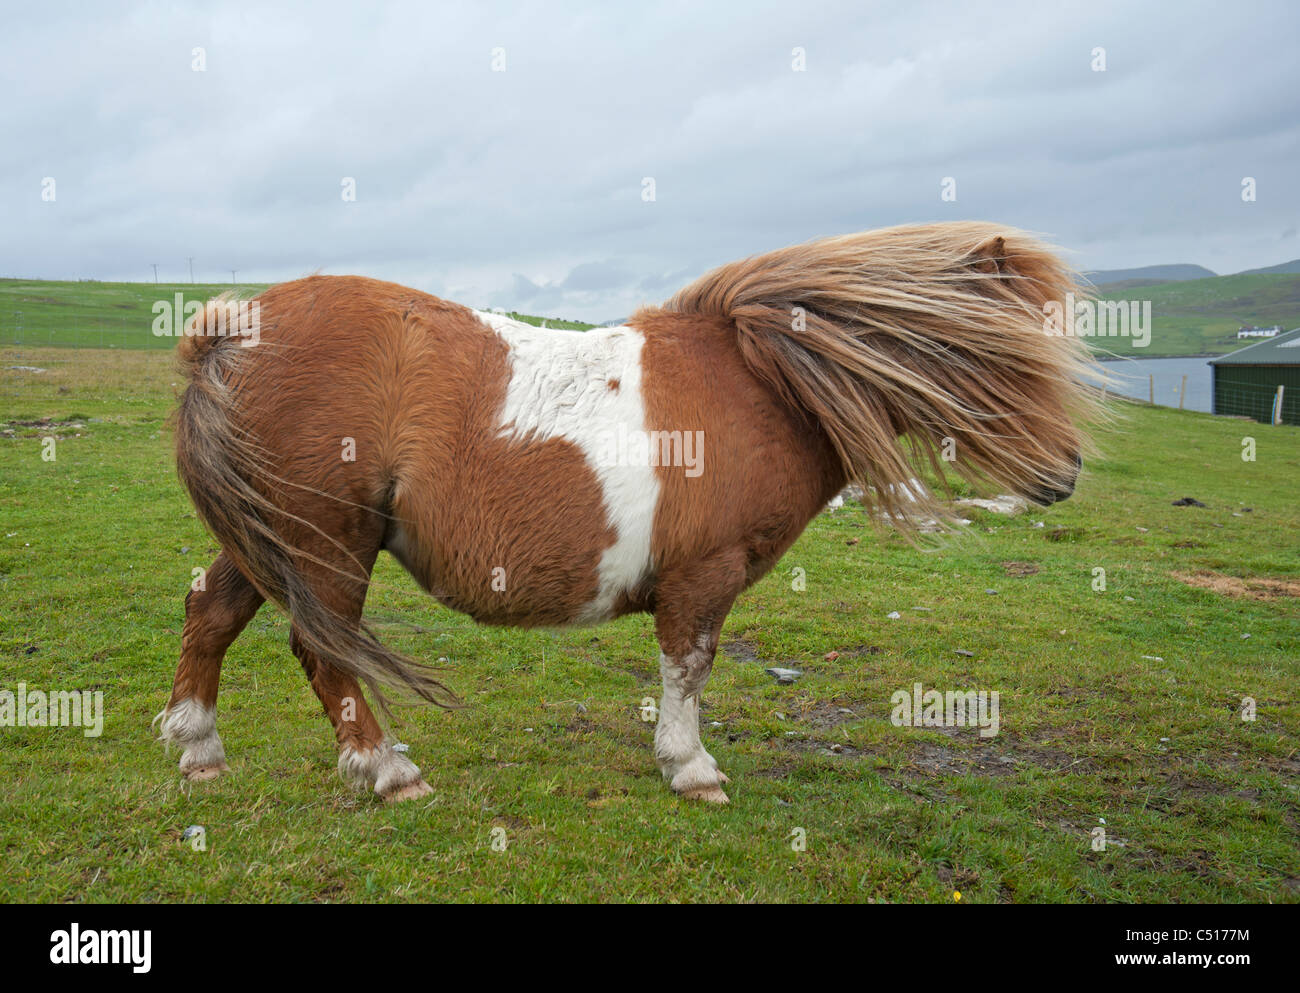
[(194, 727), (678, 749), (390, 773), (585, 387)]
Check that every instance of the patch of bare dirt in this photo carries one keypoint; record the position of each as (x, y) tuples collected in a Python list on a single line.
[(1252, 588), (824, 715), (740, 650), (956, 875), (1019, 568), (824, 747), (1061, 533), (60, 429), (1003, 757)]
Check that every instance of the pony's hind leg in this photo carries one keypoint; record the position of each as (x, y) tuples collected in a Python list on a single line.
[(339, 579), (214, 616), (366, 758), (691, 606)]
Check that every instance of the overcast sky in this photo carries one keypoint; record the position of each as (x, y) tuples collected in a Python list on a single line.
[(526, 188)]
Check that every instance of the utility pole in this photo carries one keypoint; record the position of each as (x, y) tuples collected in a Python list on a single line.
[(155, 272), (191, 258)]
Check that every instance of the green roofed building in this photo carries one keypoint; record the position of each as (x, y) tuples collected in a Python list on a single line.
[(1247, 381)]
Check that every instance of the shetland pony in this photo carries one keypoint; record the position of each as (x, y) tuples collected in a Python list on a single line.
[(540, 477)]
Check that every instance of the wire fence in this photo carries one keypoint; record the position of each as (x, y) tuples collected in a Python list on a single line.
[(1257, 401), (72, 361), (36, 326)]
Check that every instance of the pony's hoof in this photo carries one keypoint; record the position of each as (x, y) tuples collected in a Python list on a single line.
[(723, 777), (709, 794), (202, 773), (410, 791)]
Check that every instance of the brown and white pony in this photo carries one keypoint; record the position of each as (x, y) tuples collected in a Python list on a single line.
[(540, 477)]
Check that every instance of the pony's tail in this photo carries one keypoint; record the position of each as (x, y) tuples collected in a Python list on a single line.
[(905, 342), (221, 464)]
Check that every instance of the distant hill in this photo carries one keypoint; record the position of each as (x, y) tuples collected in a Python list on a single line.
[(1150, 274), (550, 322), (1283, 268), (1201, 316)]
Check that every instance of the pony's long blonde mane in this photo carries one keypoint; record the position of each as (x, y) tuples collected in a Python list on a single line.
[(898, 339)]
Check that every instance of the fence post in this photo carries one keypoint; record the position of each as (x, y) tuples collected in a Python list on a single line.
[(1153, 389), (1182, 392), (1277, 405)]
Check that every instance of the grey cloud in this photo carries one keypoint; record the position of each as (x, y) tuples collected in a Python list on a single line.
[(523, 188), (596, 276)]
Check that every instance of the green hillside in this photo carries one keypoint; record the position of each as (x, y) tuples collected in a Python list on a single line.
[(1190, 317), (114, 315), (1201, 316)]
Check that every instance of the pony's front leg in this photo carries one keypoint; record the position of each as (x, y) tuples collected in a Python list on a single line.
[(689, 769), (691, 605)]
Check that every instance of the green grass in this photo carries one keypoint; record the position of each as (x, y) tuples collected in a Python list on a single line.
[(35, 312), (1201, 316), (96, 550)]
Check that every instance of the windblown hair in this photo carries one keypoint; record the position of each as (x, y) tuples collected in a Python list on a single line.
[(898, 339), (229, 476)]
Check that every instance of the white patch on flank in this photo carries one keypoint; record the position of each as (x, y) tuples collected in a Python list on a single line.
[(382, 768), (194, 727), (559, 388)]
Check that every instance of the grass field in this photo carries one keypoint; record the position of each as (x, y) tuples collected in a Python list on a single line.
[(1120, 710)]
